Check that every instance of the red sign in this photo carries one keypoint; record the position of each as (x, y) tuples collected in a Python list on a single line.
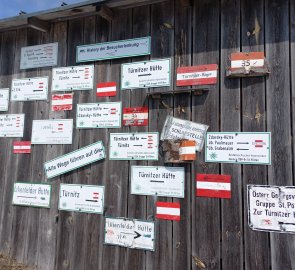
[(62, 102), (197, 75), (106, 89), (168, 210), (137, 116), (22, 147), (247, 60), (213, 185)]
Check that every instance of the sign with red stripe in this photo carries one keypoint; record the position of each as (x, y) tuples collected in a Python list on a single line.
[(213, 185), (137, 116), (62, 102), (197, 75), (23, 147), (106, 89), (247, 60), (168, 210)]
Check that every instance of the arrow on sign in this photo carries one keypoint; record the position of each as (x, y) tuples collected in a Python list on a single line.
[(285, 223), (27, 197), (142, 75), (241, 149), (137, 235), (242, 143)]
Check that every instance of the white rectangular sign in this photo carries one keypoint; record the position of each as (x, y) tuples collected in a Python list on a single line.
[(175, 128), (4, 99), (134, 146), (72, 78), (99, 115), (81, 198), (157, 181), (12, 125), (154, 73), (44, 55), (238, 147), (31, 194), (114, 49), (58, 131), (74, 160), (271, 208), (130, 233), (29, 89)]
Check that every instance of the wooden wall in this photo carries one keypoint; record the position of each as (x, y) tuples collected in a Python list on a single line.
[(214, 230)]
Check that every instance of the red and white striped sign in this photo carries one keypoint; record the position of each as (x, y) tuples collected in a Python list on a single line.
[(137, 116), (213, 185), (23, 147), (247, 60), (95, 195), (259, 143), (187, 150), (197, 75), (106, 89), (62, 102), (168, 210)]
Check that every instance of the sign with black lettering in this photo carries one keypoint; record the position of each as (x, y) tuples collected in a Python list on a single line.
[(271, 208), (4, 99), (12, 125), (81, 198)]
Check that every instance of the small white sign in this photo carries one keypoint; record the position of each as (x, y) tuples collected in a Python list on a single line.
[(155, 73), (72, 78), (175, 128), (134, 146), (44, 55), (12, 125), (31, 194), (58, 131), (74, 160), (130, 233), (238, 147), (99, 115), (271, 208), (157, 181), (29, 89), (114, 49), (81, 198), (4, 99)]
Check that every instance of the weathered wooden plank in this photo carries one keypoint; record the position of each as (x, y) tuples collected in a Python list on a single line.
[(253, 120), (278, 117)]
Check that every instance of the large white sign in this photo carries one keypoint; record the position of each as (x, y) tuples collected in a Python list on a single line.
[(72, 78), (99, 115), (81, 198), (44, 55), (29, 89), (155, 73), (74, 160), (238, 147), (12, 125), (114, 49), (134, 146), (4, 99), (175, 128), (58, 131), (31, 194), (157, 181), (131, 233), (271, 208)]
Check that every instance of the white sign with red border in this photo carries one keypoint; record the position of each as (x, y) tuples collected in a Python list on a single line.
[(4, 99), (29, 89), (106, 89), (21, 147), (247, 60), (12, 125), (62, 102), (137, 116)]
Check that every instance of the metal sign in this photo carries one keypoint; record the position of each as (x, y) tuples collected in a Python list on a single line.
[(158, 181), (168, 210), (81, 198), (44, 55), (238, 147), (12, 125), (134, 146), (106, 89), (131, 233), (31, 194), (72, 78), (114, 49), (62, 102), (137, 116), (155, 73), (99, 115), (23, 147), (197, 75), (247, 60), (175, 128), (58, 131), (29, 89), (4, 99), (271, 208), (74, 160)]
